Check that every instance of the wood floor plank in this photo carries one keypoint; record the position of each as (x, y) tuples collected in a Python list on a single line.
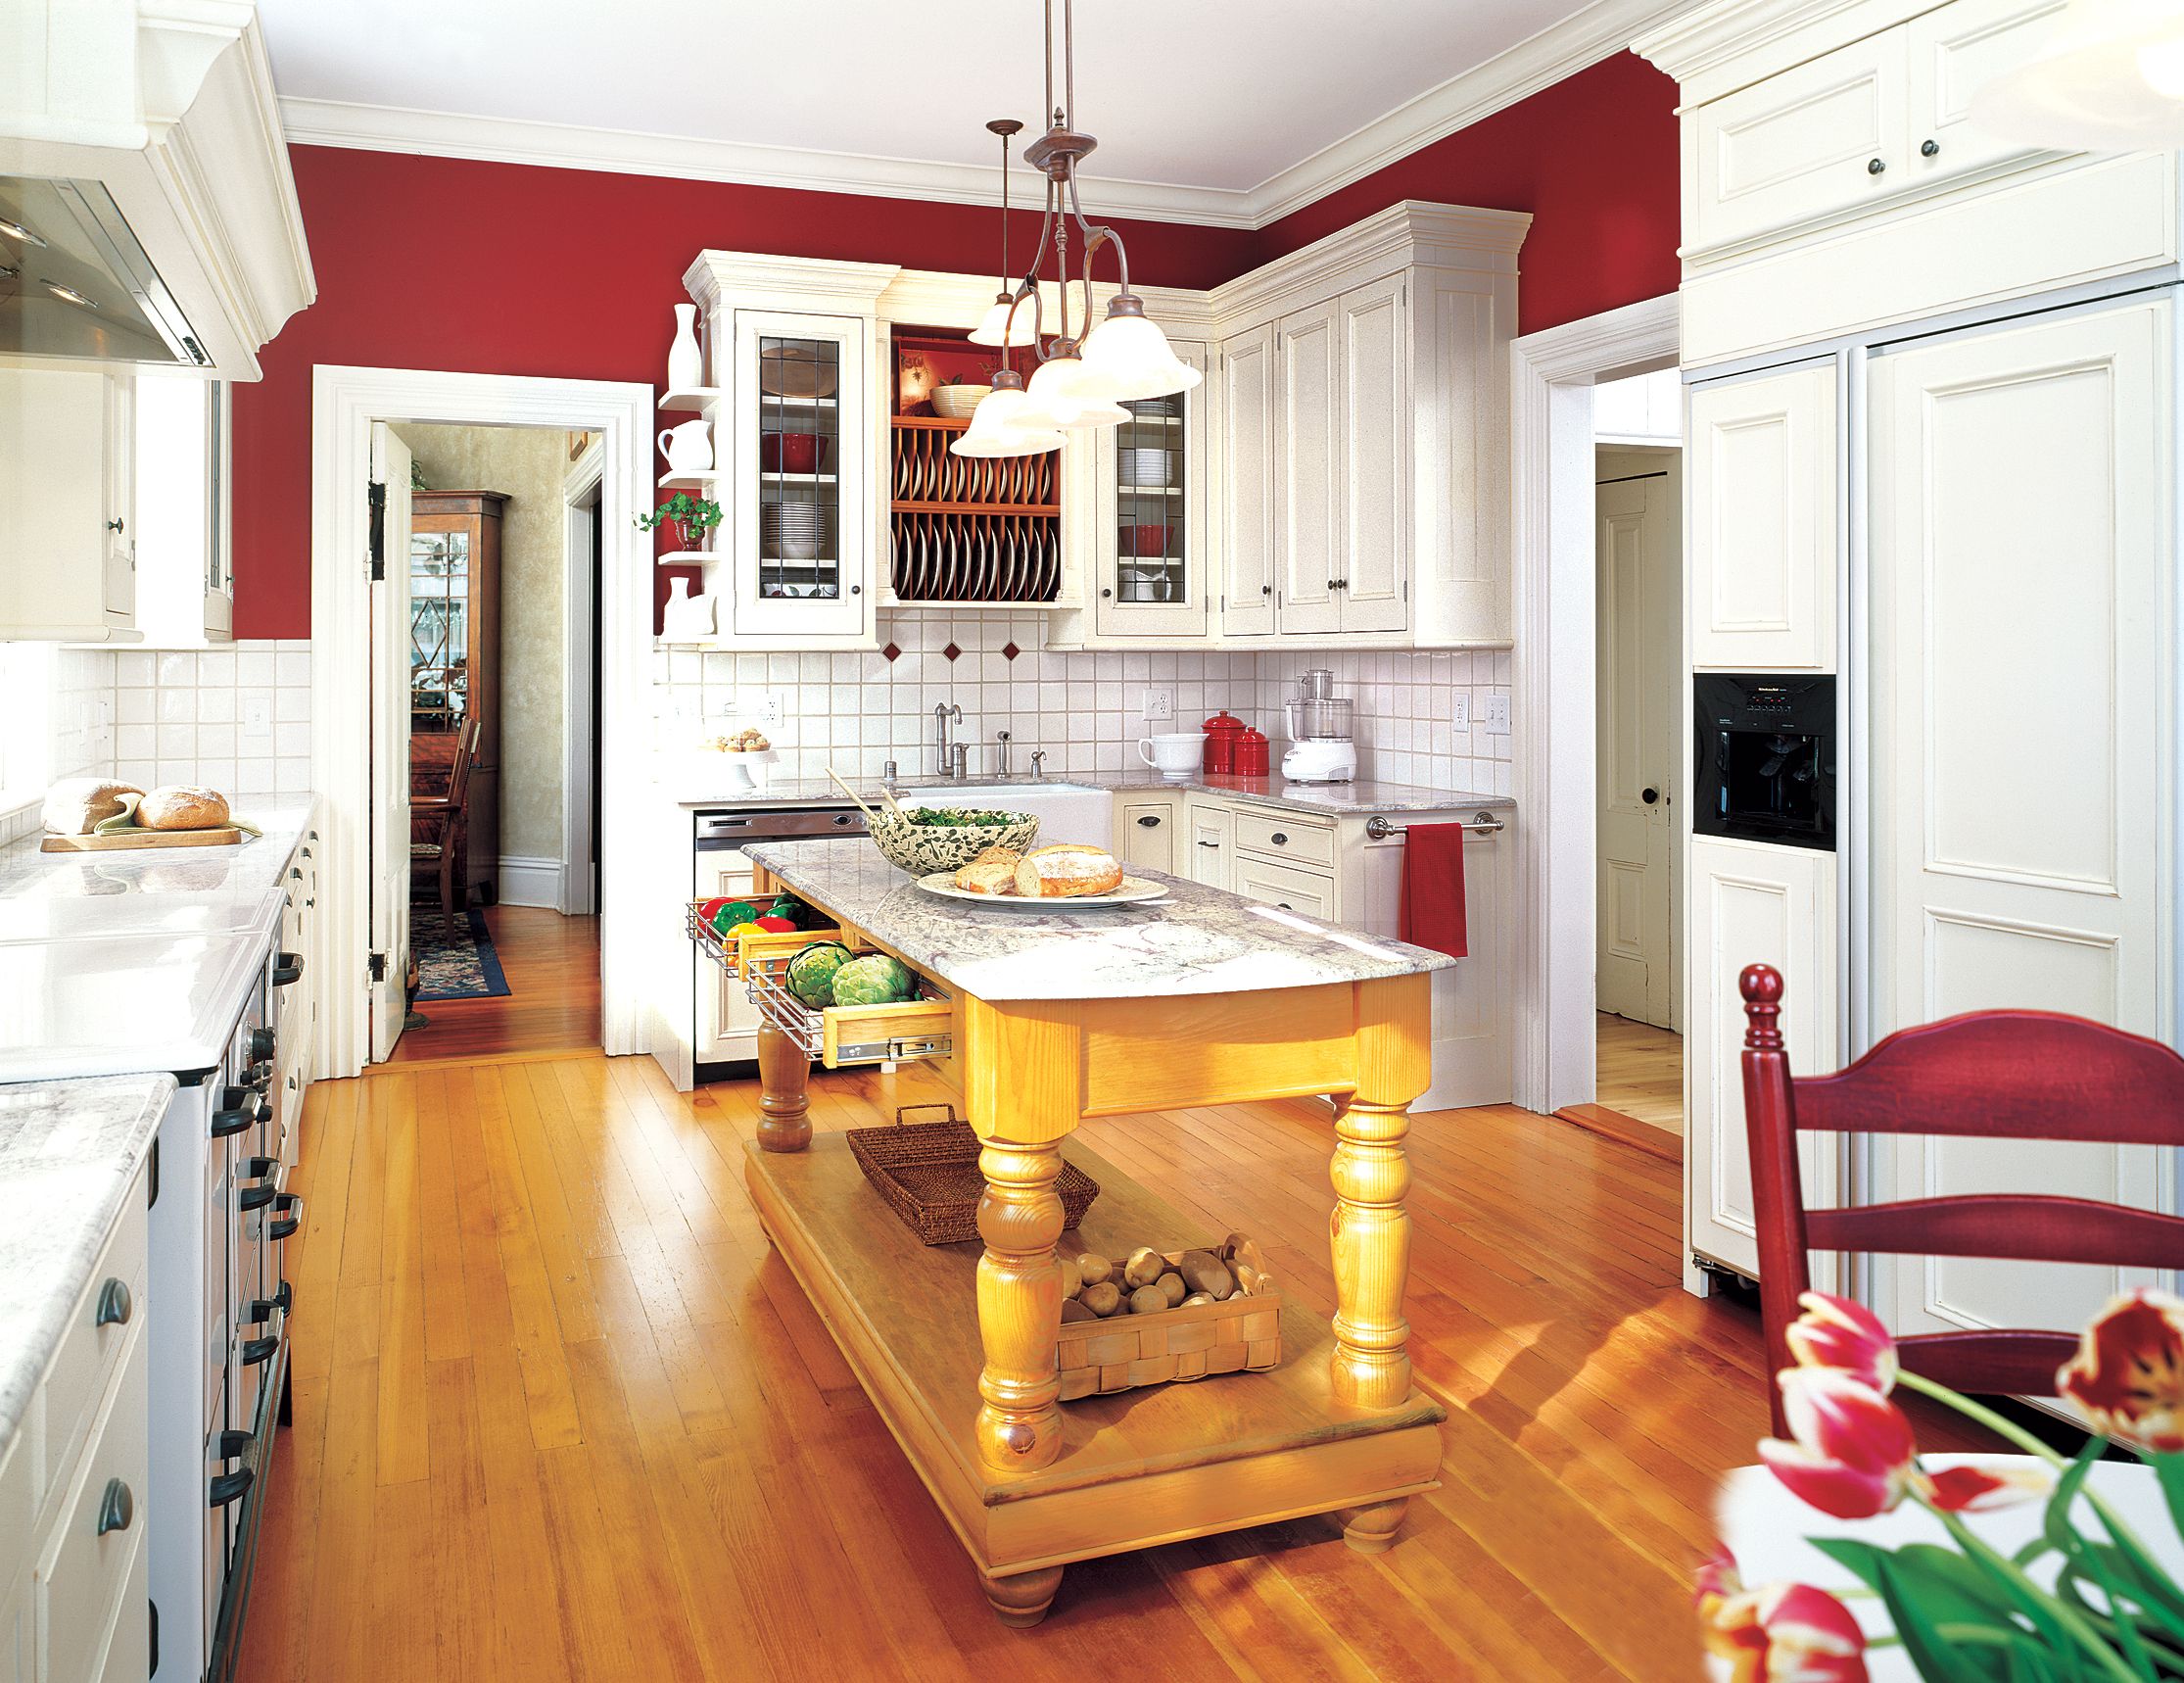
[(404, 1440)]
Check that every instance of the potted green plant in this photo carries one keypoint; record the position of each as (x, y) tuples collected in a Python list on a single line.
[(690, 518)]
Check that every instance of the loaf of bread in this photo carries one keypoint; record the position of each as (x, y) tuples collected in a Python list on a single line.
[(993, 872), (1068, 868), (76, 804), (181, 806)]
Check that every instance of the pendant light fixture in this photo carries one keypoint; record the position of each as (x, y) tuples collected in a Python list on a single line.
[(994, 326), (2111, 81), (996, 428)]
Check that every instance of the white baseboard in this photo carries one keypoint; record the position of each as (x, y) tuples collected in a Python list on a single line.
[(530, 880)]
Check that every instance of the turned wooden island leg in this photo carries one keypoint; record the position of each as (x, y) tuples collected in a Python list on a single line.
[(1370, 1231), (784, 1121), (1021, 1602), (1019, 1308), (1370, 1530)]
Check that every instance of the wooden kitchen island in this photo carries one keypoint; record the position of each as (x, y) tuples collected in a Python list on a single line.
[(1043, 1017)]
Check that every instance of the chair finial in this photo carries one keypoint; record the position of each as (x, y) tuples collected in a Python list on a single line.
[(1762, 988)]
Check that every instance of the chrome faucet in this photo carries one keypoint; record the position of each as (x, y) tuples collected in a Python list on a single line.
[(942, 712), (1038, 765)]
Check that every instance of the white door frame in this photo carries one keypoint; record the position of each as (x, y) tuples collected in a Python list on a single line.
[(1553, 774), (345, 402), (581, 488)]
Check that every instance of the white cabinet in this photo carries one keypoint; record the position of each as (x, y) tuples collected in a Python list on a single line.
[(1309, 460), (2023, 558), (67, 527), (1762, 533), (727, 1020), (1953, 52), (1210, 826), (185, 596), (1372, 580), (1146, 830), (1751, 903), (1245, 382), (1155, 547)]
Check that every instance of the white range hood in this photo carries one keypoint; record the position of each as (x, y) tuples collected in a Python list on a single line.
[(147, 212)]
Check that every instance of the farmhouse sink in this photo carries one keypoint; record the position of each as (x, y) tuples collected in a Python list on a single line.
[(1065, 811)]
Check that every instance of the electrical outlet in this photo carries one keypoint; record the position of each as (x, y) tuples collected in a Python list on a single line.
[(1497, 715), (258, 718), (1462, 717), (1159, 704)]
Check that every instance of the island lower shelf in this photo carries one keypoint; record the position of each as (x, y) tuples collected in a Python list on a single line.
[(1136, 1468)]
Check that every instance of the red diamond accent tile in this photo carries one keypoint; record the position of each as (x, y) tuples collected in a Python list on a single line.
[(891, 651), (951, 652), (1008, 652)]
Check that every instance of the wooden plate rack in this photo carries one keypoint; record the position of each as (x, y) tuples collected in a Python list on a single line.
[(972, 528)]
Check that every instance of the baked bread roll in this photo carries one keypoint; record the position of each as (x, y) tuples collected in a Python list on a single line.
[(993, 872), (181, 806), (76, 804), (1068, 868)]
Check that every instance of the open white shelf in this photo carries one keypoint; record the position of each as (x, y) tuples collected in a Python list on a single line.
[(685, 557), (690, 397), (688, 481)]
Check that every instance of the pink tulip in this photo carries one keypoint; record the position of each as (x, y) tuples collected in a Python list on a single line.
[(1852, 1454), (1778, 1633), (1834, 1332), (2128, 1374), (1980, 1489)]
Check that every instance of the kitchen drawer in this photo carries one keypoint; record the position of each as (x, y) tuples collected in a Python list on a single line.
[(86, 1570), (843, 1036), (19, 1631), (90, 1347), (1280, 837), (1310, 892), (129, 1647)]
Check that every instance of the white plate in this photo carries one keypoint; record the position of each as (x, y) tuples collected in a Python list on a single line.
[(1134, 891)]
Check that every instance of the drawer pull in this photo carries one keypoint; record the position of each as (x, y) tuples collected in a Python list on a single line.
[(1930, 149), (287, 967), (115, 1305), (287, 1217), (1875, 165), (1280, 839), (228, 1486), (1214, 844), (116, 1507), (1150, 820)]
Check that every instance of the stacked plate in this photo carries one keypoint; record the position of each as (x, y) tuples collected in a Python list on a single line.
[(797, 531), (1143, 468)]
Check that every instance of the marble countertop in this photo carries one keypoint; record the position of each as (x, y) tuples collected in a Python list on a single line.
[(1197, 940), (135, 960), (69, 1154), (1335, 799)]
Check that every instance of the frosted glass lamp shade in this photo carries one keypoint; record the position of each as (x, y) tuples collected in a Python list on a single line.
[(1066, 394), (996, 328), (995, 429), (2111, 81), (1133, 358)]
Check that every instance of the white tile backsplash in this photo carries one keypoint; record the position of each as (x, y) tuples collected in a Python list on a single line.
[(236, 718)]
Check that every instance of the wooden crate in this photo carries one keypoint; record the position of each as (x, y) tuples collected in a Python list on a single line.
[(1241, 1334)]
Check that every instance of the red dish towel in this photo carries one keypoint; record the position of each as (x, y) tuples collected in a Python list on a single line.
[(1431, 912)]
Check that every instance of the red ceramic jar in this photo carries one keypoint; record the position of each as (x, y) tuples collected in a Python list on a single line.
[(1252, 754), (1221, 732)]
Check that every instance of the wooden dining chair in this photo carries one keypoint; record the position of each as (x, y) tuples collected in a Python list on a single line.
[(439, 827), (1996, 1075)]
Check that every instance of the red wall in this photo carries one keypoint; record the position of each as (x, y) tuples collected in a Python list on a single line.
[(1593, 158), (500, 268)]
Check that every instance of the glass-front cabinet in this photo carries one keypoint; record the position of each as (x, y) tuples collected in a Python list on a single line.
[(798, 490), (1154, 551)]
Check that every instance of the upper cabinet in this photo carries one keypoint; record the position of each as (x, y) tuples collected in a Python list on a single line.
[(1244, 403), (143, 142), (68, 524), (1155, 545)]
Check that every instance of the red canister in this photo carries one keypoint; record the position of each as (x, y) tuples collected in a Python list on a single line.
[(1221, 732), (1251, 754)]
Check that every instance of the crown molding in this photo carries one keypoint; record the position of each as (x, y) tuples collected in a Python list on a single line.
[(1598, 31)]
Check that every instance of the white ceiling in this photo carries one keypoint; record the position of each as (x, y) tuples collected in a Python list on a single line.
[(1211, 103)]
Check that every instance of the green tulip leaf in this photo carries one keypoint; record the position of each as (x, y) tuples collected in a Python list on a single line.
[(1906, 1592)]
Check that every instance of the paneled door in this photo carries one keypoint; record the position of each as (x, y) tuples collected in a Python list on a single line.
[(1375, 460), (2023, 557), (1308, 528), (392, 690), (1764, 521), (1246, 418), (1639, 649), (1155, 546)]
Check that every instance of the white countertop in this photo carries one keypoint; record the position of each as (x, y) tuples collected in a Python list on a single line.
[(1364, 795)]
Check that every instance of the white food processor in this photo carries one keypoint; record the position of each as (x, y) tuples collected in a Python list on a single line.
[(1322, 732)]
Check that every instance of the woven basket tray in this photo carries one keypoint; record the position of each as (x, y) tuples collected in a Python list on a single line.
[(1238, 1335), (928, 1173)]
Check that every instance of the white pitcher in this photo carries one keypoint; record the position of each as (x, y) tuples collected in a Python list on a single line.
[(689, 447), (685, 361)]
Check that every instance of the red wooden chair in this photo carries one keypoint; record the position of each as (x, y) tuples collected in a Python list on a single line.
[(1997, 1075)]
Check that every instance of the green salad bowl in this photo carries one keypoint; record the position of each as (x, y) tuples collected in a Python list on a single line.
[(946, 840)]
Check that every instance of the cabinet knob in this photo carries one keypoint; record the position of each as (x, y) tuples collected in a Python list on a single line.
[(115, 524), (856, 589), (1930, 149), (1875, 165), (1106, 592), (116, 1507), (1280, 839), (1265, 590), (1332, 584), (115, 1306)]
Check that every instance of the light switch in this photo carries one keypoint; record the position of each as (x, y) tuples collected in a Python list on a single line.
[(1159, 704), (258, 717), (1497, 714)]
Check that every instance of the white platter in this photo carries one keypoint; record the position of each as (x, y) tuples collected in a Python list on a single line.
[(1134, 891)]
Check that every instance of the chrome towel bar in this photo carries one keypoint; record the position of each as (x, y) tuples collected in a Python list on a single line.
[(1482, 824)]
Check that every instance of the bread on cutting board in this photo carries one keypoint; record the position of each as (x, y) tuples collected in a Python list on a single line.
[(183, 806), (76, 804)]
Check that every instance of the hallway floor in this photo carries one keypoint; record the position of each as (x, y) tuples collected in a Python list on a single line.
[(552, 1004)]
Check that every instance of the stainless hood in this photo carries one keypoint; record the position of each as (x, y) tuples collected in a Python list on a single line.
[(76, 282)]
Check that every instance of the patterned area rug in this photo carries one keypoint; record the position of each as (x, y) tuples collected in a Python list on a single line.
[(460, 966)]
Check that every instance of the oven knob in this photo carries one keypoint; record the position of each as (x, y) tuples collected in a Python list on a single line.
[(261, 1044)]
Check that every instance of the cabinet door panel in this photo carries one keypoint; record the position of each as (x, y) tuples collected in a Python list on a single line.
[(1150, 479), (1211, 836), (1751, 903), (1376, 354), (1310, 458), (56, 488), (1145, 835), (2023, 570), (1247, 409), (1955, 52), (1798, 146), (1764, 521), (119, 570), (725, 1017)]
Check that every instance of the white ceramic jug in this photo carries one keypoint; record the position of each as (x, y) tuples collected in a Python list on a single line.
[(689, 447), (685, 362), (684, 616)]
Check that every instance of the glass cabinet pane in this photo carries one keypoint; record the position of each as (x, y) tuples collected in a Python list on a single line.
[(438, 632), (799, 494), (1151, 465)]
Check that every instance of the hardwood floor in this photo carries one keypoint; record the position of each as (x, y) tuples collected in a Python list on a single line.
[(561, 1412), (1640, 1087), (552, 1005)]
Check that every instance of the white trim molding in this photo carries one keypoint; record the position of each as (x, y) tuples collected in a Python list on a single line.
[(530, 880), (1574, 43), (580, 495), (1553, 777), (344, 403)]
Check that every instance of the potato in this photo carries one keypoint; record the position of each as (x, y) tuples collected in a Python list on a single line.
[(1204, 1271), (1093, 1268), (1103, 1299), (1149, 1300), (1191, 1302), (1072, 1280), (1073, 1310), (1146, 1265), (1172, 1288)]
